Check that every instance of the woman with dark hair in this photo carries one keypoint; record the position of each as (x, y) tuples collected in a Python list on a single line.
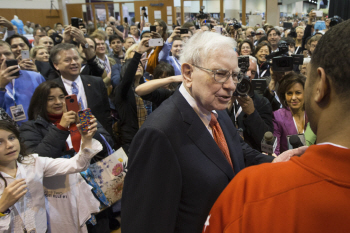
[(291, 119), (261, 51), (130, 107), (22, 202), (246, 48), (51, 132)]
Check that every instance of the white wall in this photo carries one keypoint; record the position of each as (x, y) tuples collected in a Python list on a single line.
[(254, 5), (25, 4)]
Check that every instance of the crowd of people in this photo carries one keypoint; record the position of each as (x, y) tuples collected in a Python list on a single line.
[(179, 113)]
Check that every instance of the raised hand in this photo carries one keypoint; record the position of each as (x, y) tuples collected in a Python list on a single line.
[(6, 74), (12, 193)]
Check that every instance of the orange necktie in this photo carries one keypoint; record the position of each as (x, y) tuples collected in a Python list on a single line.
[(220, 138)]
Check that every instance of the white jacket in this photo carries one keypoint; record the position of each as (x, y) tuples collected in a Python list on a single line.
[(29, 211)]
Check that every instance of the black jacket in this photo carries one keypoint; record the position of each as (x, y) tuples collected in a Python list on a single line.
[(47, 140), (97, 99), (256, 124)]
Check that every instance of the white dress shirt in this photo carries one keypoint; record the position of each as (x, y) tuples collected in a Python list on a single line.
[(68, 85), (29, 211), (203, 114)]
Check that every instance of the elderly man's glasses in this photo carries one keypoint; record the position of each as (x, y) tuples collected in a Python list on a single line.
[(221, 75)]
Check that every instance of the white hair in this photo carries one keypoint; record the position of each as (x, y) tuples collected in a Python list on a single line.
[(253, 59), (260, 30), (306, 61), (202, 45)]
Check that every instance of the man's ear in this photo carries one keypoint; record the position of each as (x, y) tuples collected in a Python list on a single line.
[(186, 70), (56, 66), (322, 85)]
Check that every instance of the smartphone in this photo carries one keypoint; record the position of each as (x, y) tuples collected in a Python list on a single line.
[(85, 117), (12, 62), (155, 42), (112, 23), (125, 19), (25, 54), (319, 14), (183, 31), (153, 28), (75, 22), (287, 25), (218, 29), (72, 103)]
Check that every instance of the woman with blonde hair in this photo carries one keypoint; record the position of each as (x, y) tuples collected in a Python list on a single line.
[(39, 53)]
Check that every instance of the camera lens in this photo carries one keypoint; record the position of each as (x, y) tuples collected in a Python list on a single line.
[(71, 100)]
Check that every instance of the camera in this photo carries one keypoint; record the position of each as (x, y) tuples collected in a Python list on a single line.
[(244, 87), (293, 33), (57, 39), (201, 14), (335, 20), (281, 61), (236, 25)]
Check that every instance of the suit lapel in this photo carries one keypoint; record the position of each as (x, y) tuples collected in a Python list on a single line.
[(289, 122), (87, 89), (200, 136)]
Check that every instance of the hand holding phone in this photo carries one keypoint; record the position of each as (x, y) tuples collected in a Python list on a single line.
[(85, 118), (12, 62), (25, 54), (72, 103), (155, 42)]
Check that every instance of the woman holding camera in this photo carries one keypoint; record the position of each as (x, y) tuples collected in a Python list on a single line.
[(51, 132), (291, 119)]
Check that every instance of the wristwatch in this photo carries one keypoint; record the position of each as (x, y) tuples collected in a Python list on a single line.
[(5, 213), (85, 46)]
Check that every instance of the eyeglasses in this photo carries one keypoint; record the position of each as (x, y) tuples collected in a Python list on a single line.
[(221, 75)]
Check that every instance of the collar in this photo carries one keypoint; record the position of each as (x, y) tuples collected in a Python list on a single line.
[(203, 114), (332, 144), (328, 160), (68, 82)]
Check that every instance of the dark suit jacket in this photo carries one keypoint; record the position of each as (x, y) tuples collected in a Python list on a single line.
[(97, 98), (177, 171)]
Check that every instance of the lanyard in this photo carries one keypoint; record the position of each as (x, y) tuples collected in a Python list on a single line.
[(13, 94), (238, 111), (295, 124), (296, 51), (258, 70), (177, 64)]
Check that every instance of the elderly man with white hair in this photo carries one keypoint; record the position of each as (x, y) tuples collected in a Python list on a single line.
[(188, 150)]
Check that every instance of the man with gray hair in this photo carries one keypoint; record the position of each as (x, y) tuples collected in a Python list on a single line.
[(187, 151), (260, 32)]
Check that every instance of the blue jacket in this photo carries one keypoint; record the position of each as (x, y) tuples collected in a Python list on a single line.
[(25, 86), (164, 56)]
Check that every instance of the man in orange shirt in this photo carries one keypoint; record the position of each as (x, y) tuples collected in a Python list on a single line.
[(308, 193)]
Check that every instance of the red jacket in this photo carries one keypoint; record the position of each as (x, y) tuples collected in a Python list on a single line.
[(307, 194)]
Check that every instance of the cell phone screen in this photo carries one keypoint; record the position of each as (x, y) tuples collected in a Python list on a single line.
[(75, 22), (153, 28), (12, 62)]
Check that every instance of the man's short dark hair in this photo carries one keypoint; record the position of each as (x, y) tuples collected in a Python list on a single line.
[(332, 53), (115, 37), (288, 40), (177, 38), (273, 29), (58, 48), (36, 29), (9, 40), (262, 39)]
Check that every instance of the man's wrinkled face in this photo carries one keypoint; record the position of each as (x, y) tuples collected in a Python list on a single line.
[(251, 69), (208, 93)]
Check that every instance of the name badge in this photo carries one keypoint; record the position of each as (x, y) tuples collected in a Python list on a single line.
[(18, 113)]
